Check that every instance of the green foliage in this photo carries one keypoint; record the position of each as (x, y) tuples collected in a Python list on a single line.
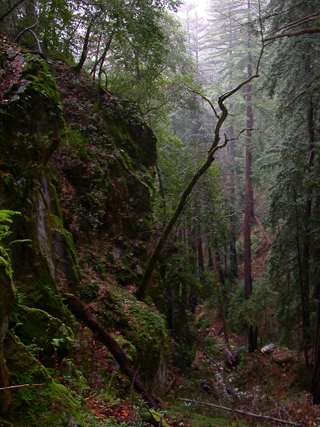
[(293, 210), (5, 216), (5, 232)]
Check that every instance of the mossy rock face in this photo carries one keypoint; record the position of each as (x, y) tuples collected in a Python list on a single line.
[(30, 123), (48, 334), (47, 263), (32, 117), (110, 168), (7, 296), (130, 132), (50, 404)]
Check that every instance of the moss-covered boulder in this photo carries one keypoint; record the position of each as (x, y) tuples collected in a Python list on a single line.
[(40, 401), (7, 297), (47, 334), (144, 329)]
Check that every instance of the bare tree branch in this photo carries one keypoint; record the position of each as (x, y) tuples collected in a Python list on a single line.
[(38, 42), (24, 30), (304, 31), (224, 408)]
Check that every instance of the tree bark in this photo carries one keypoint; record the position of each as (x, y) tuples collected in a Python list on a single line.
[(306, 242), (163, 198), (200, 249), (103, 56), (81, 313), (248, 210), (248, 207)]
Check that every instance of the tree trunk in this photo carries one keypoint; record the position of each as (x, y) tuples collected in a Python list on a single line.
[(77, 68), (77, 309), (248, 210), (94, 69), (218, 266), (200, 249), (248, 207), (305, 267), (103, 57), (210, 260), (210, 158), (304, 298), (163, 198)]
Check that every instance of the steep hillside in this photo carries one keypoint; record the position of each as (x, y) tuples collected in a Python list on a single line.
[(77, 164)]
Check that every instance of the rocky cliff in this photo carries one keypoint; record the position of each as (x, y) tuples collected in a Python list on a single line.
[(77, 164)]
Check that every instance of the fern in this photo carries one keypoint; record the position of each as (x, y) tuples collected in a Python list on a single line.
[(5, 217)]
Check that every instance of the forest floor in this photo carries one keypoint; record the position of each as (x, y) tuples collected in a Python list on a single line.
[(273, 385)]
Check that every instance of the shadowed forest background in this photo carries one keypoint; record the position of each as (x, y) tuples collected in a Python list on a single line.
[(159, 213)]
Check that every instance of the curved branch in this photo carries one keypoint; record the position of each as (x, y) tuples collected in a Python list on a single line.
[(206, 99), (38, 42), (24, 30), (300, 21)]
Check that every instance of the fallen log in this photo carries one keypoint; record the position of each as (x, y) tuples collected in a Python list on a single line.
[(81, 313), (224, 408)]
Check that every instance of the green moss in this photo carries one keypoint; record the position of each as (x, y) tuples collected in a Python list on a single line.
[(37, 284), (41, 80), (50, 404), (48, 334), (127, 347)]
